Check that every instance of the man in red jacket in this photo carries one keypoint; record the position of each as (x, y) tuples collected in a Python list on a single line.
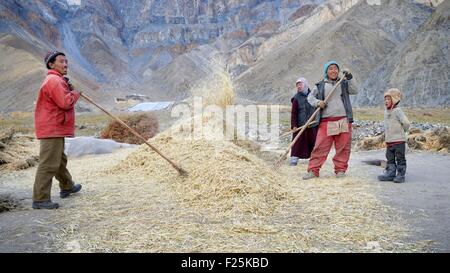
[(54, 119)]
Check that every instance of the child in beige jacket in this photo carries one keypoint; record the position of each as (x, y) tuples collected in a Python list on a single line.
[(396, 124)]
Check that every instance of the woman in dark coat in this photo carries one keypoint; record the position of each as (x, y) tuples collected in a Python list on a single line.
[(301, 112)]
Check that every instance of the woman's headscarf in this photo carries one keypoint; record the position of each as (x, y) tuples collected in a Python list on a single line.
[(305, 84), (325, 68)]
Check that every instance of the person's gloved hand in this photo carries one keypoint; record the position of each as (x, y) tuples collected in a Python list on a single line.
[(321, 104), (348, 75)]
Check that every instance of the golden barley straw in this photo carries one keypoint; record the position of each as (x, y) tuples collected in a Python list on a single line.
[(232, 201)]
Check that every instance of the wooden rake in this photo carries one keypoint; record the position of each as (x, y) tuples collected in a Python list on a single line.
[(304, 127), (177, 167)]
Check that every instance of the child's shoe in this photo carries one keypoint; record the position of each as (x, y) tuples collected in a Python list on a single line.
[(389, 173)]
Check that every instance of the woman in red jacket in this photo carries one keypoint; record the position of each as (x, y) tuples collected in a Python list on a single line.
[(54, 119)]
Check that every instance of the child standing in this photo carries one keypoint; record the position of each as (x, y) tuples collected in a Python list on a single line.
[(396, 124)]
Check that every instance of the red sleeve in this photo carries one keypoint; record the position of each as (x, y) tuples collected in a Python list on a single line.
[(294, 114), (59, 93)]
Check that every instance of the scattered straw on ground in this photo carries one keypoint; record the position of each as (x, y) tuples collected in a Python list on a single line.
[(17, 151), (437, 140), (7, 203), (221, 175), (232, 201), (145, 212)]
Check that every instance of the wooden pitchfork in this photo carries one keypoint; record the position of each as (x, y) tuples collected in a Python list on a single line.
[(296, 130), (177, 167)]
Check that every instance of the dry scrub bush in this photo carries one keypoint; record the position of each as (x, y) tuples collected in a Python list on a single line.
[(146, 124)]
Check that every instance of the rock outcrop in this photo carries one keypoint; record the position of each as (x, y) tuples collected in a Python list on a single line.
[(420, 67), (165, 49)]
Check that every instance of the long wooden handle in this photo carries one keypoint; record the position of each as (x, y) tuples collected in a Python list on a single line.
[(294, 131), (178, 168), (284, 156)]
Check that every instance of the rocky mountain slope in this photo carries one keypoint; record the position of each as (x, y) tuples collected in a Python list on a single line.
[(420, 67), (167, 49), (358, 39)]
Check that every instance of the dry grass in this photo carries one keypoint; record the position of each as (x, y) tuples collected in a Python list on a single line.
[(232, 201), (86, 124), (437, 140), (17, 151), (119, 213), (223, 92), (22, 122), (251, 186), (145, 124), (421, 115), (431, 140)]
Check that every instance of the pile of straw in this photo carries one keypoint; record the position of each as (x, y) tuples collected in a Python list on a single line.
[(431, 140), (146, 124), (17, 151), (222, 176), (143, 211), (232, 201)]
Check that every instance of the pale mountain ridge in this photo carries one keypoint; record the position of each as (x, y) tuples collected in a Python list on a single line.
[(359, 39), (119, 45), (22, 74), (420, 67), (289, 33), (114, 55)]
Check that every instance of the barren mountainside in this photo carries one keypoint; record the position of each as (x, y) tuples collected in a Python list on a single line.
[(167, 49), (420, 67)]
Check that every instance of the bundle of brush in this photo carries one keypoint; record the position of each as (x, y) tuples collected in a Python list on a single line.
[(145, 124)]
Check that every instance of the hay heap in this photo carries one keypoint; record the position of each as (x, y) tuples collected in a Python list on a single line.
[(437, 140), (232, 201), (222, 176), (371, 143), (146, 124), (433, 140), (17, 152), (144, 206)]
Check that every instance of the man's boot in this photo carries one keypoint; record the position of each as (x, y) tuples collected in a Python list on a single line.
[(389, 173), (401, 171), (45, 205), (66, 193)]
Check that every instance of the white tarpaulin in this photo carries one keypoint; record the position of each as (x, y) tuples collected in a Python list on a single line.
[(150, 106), (90, 145)]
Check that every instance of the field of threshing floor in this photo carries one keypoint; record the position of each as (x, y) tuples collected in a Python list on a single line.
[(135, 211)]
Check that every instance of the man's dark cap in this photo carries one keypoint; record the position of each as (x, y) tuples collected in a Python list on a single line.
[(50, 57)]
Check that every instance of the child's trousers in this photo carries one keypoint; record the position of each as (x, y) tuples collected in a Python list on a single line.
[(395, 154)]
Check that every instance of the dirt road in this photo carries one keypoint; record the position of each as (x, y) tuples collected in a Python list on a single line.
[(423, 200)]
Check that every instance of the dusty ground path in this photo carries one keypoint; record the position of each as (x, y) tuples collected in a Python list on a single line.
[(27, 230), (423, 200), (98, 219)]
